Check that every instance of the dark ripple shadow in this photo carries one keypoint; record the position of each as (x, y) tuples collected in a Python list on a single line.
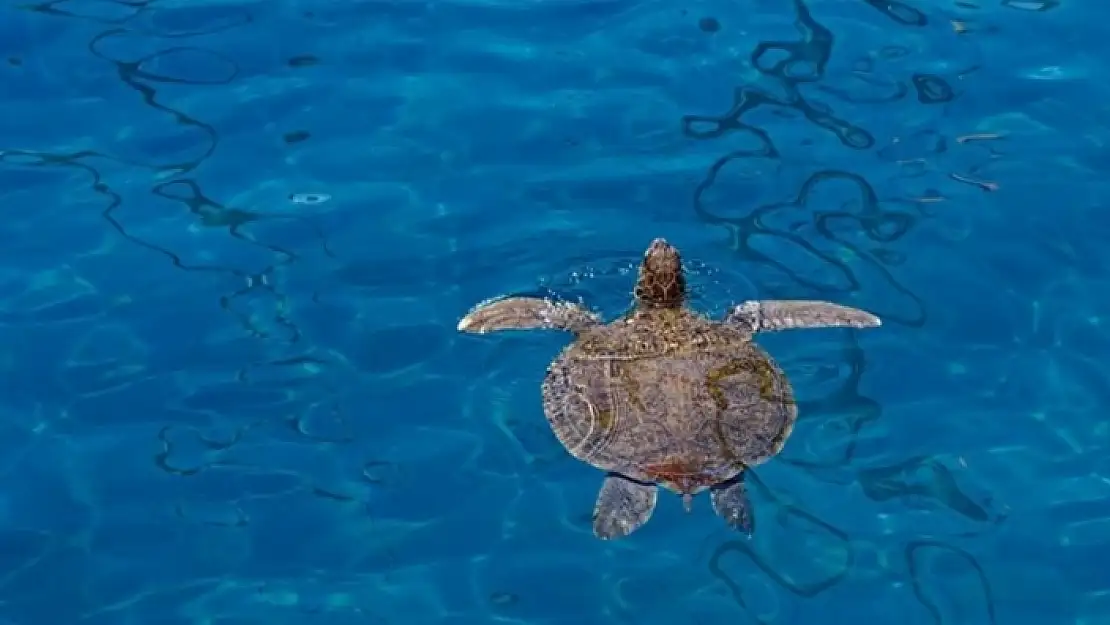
[(137, 24), (220, 480), (792, 237), (798, 552), (901, 13), (834, 234), (950, 583), (927, 484), (844, 246), (789, 64), (832, 410)]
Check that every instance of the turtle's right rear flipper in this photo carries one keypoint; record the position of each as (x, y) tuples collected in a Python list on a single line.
[(731, 503), (527, 313)]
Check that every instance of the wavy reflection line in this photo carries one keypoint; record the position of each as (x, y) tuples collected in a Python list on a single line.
[(785, 513), (900, 12), (805, 62), (877, 224), (50, 7), (925, 477), (790, 64), (912, 554), (132, 72), (845, 403), (136, 75)]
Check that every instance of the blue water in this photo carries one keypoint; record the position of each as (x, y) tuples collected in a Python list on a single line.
[(237, 238)]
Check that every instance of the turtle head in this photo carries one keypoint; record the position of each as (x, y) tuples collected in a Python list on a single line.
[(661, 283)]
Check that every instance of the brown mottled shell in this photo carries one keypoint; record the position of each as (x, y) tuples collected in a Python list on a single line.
[(668, 391)]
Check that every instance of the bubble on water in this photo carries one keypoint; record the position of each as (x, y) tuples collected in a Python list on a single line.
[(309, 198)]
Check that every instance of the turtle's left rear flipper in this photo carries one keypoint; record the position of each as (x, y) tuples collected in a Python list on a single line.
[(623, 506)]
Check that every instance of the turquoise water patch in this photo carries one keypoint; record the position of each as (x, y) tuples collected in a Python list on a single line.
[(238, 238)]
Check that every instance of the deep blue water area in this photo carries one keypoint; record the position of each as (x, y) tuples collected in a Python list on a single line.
[(237, 238)]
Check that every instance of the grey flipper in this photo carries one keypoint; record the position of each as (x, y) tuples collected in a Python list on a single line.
[(526, 313), (623, 506), (730, 502), (770, 315)]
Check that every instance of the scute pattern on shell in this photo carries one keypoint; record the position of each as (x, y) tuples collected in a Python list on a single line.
[(668, 386)]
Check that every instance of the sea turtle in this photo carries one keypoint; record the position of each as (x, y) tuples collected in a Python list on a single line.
[(664, 395)]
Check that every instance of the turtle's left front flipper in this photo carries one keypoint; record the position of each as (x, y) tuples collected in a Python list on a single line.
[(527, 313), (771, 315)]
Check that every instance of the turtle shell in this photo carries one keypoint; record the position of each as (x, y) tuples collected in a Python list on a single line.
[(671, 398)]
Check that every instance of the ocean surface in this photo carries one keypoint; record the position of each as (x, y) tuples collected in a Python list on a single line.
[(238, 236)]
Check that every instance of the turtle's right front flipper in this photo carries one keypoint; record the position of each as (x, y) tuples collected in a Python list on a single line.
[(527, 313), (771, 315)]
